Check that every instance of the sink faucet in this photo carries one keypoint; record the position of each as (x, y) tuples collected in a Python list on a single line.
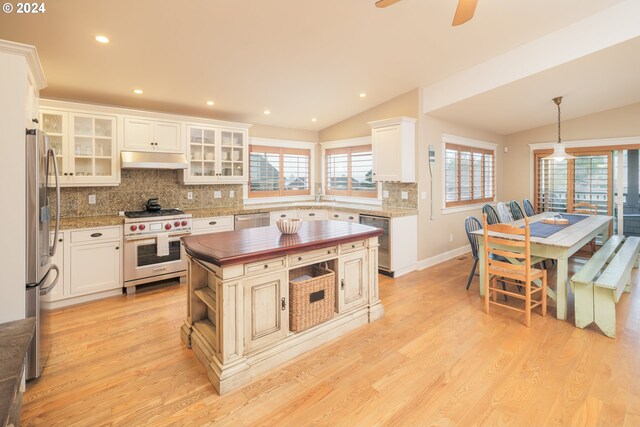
[(318, 197)]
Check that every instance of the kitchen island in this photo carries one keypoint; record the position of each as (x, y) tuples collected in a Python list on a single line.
[(238, 300)]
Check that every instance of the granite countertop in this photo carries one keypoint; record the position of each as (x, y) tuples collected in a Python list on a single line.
[(110, 220), (15, 338)]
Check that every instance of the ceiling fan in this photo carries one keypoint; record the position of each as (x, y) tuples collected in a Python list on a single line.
[(464, 11)]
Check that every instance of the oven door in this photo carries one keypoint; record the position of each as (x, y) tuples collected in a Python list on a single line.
[(141, 260)]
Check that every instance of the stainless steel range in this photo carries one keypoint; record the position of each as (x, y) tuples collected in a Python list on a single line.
[(152, 248)]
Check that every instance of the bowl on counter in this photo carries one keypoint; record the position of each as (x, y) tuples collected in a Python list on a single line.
[(288, 225)]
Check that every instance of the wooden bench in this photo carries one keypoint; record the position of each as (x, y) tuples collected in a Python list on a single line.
[(600, 282)]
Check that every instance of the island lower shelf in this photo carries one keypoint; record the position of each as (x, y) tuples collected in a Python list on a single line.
[(238, 315)]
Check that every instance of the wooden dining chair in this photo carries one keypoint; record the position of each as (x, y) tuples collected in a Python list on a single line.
[(492, 215), (522, 274), (588, 209), (503, 213), (516, 210), (528, 208)]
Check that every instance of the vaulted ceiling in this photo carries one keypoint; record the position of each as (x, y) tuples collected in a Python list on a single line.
[(300, 59)]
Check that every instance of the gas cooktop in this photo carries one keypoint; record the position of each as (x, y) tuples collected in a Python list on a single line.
[(145, 214)]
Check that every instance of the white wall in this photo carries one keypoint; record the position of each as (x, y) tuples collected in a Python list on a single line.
[(13, 83)]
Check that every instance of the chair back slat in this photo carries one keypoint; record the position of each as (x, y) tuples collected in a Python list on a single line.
[(492, 215), (471, 224), (498, 246), (505, 253), (516, 210), (503, 212), (528, 208), (585, 208)]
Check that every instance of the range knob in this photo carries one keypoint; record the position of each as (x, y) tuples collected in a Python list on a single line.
[(134, 227), (184, 223), (142, 227), (167, 227), (177, 223)]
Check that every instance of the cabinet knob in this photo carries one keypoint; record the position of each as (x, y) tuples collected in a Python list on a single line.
[(117, 248), (60, 240), (96, 235), (342, 284), (350, 217), (212, 223), (35, 121), (65, 174), (266, 266), (283, 216), (71, 173), (336, 215), (329, 252), (312, 214), (299, 258), (283, 303)]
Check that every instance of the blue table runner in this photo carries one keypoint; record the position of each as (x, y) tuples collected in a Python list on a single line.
[(541, 229)]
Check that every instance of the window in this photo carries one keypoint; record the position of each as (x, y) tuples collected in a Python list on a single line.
[(560, 185), (469, 175), (349, 172), (275, 171)]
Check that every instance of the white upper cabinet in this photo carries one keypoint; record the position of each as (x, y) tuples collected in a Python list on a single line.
[(393, 144), (216, 155), (143, 134), (85, 146)]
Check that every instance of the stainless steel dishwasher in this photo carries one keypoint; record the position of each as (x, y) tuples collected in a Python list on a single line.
[(384, 255), (251, 220)]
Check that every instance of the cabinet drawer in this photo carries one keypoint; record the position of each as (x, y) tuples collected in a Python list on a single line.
[(312, 256), (213, 224), (344, 216), (312, 215), (264, 266), (345, 248), (274, 216), (95, 234)]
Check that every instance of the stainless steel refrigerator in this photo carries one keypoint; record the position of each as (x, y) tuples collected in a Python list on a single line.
[(42, 181)]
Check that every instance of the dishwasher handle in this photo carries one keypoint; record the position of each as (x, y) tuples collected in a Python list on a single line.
[(251, 217)]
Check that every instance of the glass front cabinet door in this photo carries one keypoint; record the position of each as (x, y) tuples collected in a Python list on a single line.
[(215, 155)]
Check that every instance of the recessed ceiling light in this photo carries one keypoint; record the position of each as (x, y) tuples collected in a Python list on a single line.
[(137, 91), (102, 39), (267, 112), (314, 120), (209, 103), (362, 94)]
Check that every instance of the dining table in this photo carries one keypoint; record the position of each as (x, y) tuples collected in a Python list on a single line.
[(553, 242)]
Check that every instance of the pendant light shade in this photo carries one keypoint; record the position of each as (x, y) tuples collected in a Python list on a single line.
[(559, 152)]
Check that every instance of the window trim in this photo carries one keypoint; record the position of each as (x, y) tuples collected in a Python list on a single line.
[(474, 144), (281, 151), (363, 148)]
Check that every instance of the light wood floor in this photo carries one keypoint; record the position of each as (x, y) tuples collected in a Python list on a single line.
[(434, 359)]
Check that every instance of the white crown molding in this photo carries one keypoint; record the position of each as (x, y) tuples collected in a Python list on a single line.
[(283, 143), (392, 121), (599, 31), (351, 142), (476, 143), (587, 143), (30, 55)]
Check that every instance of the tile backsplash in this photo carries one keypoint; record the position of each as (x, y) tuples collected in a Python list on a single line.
[(395, 199), (138, 185)]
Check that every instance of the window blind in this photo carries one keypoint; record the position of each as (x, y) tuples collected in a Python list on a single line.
[(275, 171), (469, 175), (349, 171)]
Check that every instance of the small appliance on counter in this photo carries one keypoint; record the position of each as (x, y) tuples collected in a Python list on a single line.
[(152, 247), (40, 166)]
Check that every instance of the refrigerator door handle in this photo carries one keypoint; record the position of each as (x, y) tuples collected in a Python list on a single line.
[(52, 250), (45, 291)]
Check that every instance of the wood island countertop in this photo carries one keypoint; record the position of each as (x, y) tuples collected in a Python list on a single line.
[(256, 244)]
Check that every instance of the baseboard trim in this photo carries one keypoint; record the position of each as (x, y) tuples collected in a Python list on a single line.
[(446, 256)]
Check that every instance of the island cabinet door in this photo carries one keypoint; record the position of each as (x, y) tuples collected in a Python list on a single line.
[(353, 280), (266, 309)]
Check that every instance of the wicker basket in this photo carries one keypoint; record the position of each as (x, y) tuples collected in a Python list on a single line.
[(312, 300)]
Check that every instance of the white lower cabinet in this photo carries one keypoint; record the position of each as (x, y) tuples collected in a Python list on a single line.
[(312, 214), (267, 307), (90, 264), (343, 216), (95, 267), (214, 224), (353, 280), (274, 216)]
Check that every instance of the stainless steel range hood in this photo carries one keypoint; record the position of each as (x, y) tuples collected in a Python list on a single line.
[(143, 160)]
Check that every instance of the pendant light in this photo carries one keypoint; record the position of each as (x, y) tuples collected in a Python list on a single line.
[(559, 153)]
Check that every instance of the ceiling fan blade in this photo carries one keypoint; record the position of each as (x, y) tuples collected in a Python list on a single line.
[(385, 3), (464, 11)]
